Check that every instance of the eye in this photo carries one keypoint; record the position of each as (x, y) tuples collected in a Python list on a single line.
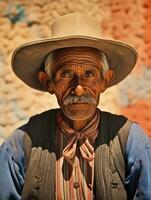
[(89, 73), (66, 74)]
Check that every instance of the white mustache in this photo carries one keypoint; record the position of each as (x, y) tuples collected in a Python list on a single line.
[(79, 99)]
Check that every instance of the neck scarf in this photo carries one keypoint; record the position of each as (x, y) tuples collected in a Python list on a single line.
[(83, 139)]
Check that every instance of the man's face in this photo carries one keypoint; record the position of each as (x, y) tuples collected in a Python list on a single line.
[(77, 81)]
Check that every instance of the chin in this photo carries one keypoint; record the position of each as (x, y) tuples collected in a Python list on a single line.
[(79, 112)]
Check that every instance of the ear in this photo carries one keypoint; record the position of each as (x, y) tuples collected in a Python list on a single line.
[(45, 81), (108, 77)]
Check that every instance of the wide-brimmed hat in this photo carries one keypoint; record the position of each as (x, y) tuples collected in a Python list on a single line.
[(72, 30)]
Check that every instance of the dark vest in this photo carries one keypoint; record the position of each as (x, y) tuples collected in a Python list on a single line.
[(39, 140)]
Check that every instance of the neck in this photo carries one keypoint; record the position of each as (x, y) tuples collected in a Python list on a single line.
[(77, 125)]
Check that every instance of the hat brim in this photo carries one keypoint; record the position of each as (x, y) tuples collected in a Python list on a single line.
[(28, 58)]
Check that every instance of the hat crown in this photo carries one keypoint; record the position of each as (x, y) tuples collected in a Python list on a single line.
[(75, 24)]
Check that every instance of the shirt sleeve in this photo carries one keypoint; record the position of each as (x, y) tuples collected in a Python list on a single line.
[(12, 167), (138, 168)]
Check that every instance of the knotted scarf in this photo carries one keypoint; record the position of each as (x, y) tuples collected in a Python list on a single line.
[(82, 139)]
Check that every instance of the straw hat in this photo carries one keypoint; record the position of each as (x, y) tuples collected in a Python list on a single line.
[(72, 30)]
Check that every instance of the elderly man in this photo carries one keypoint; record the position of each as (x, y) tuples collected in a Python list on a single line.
[(77, 151)]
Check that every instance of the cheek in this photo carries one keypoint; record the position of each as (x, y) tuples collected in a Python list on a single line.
[(60, 88), (95, 86)]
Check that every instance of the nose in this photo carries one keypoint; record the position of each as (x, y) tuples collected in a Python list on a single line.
[(79, 90)]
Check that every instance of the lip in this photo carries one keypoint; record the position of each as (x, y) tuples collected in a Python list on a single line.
[(78, 104)]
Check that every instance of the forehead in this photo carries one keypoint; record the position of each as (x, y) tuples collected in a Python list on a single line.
[(79, 55)]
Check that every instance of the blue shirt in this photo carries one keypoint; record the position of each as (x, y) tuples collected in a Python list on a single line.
[(138, 165)]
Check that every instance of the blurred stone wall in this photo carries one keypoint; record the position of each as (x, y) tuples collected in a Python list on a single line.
[(25, 20)]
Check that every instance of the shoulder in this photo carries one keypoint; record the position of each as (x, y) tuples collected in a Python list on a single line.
[(15, 140), (14, 143), (40, 129), (114, 119), (138, 140), (13, 147), (45, 114), (37, 121), (114, 123)]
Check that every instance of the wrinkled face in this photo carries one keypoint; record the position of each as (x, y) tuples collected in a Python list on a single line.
[(77, 81)]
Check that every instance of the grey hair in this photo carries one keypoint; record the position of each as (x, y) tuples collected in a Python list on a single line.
[(49, 59), (47, 64)]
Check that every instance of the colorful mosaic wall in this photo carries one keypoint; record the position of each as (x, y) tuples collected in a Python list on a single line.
[(26, 20)]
